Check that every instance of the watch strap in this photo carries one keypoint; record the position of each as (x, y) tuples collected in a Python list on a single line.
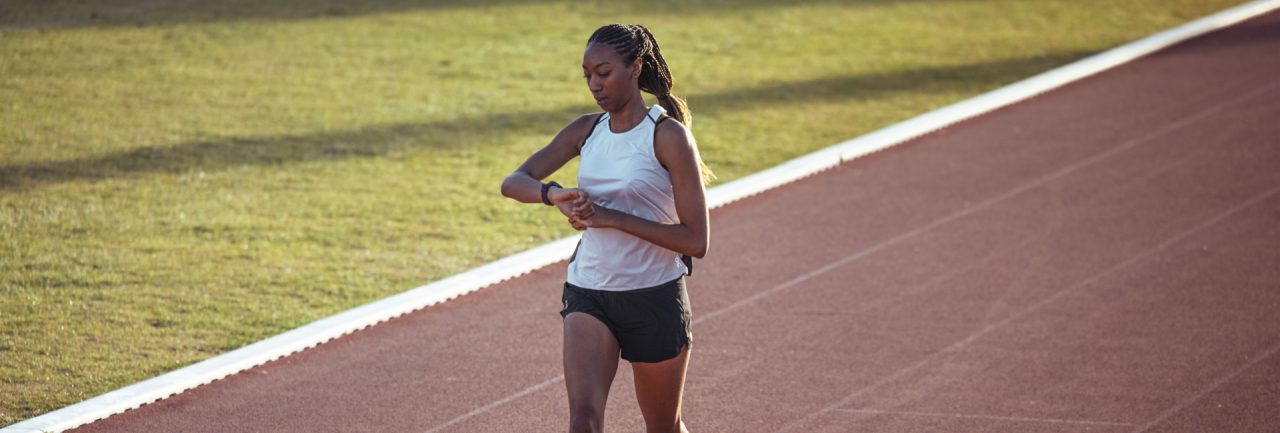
[(546, 187)]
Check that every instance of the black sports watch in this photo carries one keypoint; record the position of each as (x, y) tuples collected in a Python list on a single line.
[(547, 187)]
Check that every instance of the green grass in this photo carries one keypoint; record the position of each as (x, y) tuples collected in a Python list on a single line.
[(178, 179)]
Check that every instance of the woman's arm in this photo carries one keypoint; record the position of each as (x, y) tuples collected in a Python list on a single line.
[(525, 184), (674, 147)]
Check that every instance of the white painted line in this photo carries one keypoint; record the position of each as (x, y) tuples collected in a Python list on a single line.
[(505, 400), (364, 316), (1027, 311), (923, 124), (14, 429), (1194, 397), (293, 341), (986, 417), (1144, 138)]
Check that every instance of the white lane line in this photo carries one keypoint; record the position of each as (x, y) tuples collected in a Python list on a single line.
[(985, 417), (988, 202), (943, 117), (902, 237), (1217, 383), (1031, 309), (944, 277), (507, 399)]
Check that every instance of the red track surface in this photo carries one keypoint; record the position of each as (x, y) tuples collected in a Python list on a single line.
[(1105, 257)]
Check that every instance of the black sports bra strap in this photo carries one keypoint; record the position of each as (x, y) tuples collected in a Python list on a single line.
[(592, 131)]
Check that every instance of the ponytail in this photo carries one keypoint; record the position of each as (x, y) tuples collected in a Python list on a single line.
[(655, 78), (637, 42)]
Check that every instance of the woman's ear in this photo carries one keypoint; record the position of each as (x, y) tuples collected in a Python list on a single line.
[(637, 67)]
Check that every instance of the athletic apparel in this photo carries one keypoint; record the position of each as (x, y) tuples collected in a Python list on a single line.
[(620, 171), (651, 324)]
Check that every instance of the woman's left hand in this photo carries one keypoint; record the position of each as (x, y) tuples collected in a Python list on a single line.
[(577, 224), (582, 208), (596, 217)]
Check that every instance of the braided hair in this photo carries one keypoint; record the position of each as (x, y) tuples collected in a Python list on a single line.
[(634, 41)]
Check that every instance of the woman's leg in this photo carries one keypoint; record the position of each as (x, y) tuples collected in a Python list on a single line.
[(659, 390), (590, 362)]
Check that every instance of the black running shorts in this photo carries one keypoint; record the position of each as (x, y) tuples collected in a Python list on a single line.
[(651, 324)]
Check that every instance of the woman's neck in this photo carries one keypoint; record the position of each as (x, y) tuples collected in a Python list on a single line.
[(630, 115)]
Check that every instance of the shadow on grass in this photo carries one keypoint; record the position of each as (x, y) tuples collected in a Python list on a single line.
[(381, 140), (964, 78), (167, 12)]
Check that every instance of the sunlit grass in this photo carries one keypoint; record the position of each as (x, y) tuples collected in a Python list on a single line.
[(178, 179)]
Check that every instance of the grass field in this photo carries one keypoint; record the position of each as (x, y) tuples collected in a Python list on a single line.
[(181, 178)]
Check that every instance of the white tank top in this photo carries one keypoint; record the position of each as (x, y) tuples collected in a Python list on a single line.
[(620, 171)]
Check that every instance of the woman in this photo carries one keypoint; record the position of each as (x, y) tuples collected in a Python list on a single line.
[(641, 204)]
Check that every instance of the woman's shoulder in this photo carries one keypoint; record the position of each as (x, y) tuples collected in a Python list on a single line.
[(584, 123), (671, 135), (581, 127)]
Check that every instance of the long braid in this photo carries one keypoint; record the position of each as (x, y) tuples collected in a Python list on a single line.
[(637, 42)]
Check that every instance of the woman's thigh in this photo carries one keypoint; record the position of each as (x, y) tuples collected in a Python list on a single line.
[(660, 390), (590, 362)]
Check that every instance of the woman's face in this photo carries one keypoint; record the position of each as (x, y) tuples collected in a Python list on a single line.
[(610, 78)]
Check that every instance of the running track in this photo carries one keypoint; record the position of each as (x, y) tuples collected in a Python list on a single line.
[(1102, 258)]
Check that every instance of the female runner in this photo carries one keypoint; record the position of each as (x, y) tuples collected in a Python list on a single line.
[(640, 202)]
